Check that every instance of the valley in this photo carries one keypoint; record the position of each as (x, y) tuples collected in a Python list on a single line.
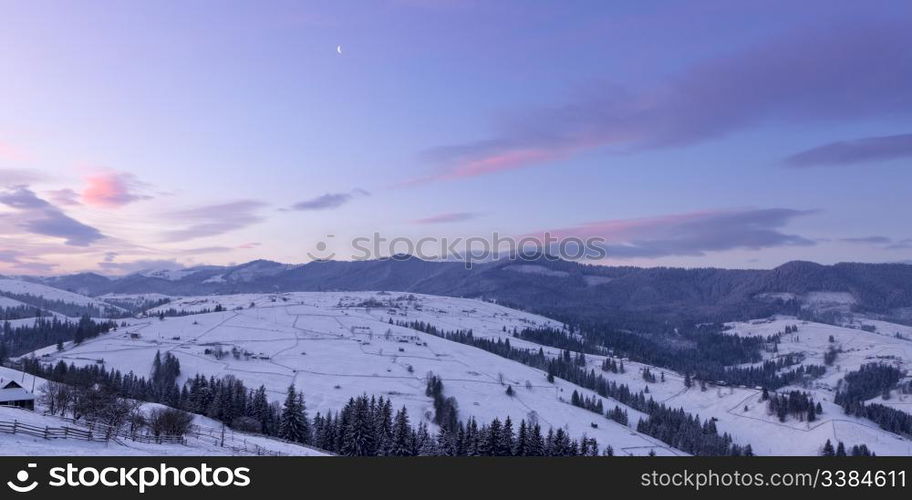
[(335, 346)]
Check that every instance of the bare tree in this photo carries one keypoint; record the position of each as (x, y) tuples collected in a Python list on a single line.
[(56, 397), (48, 396), (169, 422), (116, 414), (136, 422)]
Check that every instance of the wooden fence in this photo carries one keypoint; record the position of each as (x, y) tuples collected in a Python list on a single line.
[(85, 431), (140, 436), (47, 432), (99, 432), (238, 443)]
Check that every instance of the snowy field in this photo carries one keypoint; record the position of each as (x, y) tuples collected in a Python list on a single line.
[(764, 432), (857, 347), (337, 345), (333, 348)]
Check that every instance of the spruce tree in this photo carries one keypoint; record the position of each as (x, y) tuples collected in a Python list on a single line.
[(425, 445), (401, 445), (505, 440), (536, 447), (521, 446), (291, 424), (302, 411), (358, 435), (384, 425)]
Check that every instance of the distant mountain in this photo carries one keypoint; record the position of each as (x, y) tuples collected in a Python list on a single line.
[(623, 296)]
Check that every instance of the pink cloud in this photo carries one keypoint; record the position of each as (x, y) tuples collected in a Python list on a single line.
[(622, 230), (110, 190), (506, 160), (466, 167), (690, 234), (835, 73)]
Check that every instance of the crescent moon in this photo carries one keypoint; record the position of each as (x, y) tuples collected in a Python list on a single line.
[(339, 49)]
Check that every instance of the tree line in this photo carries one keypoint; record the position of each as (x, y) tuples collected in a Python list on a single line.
[(798, 404), (16, 341), (704, 353), (21, 312), (840, 450), (365, 426), (870, 381), (65, 308), (698, 439)]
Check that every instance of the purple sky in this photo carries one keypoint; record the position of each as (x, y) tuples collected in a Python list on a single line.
[(704, 133)]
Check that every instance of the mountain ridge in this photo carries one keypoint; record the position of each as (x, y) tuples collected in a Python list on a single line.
[(620, 295)]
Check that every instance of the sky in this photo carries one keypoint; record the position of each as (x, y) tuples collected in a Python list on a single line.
[(138, 135)]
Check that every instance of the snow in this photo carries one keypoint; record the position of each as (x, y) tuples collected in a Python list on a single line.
[(813, 340), (596, 280), (14, 394), (6, 302), (137, 298), (882, 327), (536, 269), (168, 274), (773, 296), (206, 444), (333, 350), (768, 436), (50, 293), (15, 323), (205, 440), (820, 300), (829, 298)]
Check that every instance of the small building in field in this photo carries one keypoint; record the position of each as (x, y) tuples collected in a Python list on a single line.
[(13, 394)]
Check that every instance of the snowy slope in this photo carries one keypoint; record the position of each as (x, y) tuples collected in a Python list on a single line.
[(135, 302), (8, 302), (813, 340), (332, 349), (765, 434), (21, 287), (138, 298), (25, 445), (168, 274), (858, 346), (205, 440), (334, 345)]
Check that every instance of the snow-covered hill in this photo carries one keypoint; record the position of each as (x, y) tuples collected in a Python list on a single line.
[(6, 302), (18, 289), (206, 437), (615, 296), (337, 345)]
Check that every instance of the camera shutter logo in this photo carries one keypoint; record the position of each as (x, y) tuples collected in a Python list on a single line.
[(22, 477)]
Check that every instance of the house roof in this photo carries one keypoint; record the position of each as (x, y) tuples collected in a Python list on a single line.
[(20, 394), (12, 384)]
